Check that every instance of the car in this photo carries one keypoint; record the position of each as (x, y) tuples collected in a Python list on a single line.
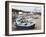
[(24, 24)]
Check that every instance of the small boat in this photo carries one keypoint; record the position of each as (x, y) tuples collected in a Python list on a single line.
[(24, 24)]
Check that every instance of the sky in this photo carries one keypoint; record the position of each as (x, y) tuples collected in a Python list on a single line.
[(28, 8)]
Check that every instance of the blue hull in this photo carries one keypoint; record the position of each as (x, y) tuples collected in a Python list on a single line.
[(25, 28)]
